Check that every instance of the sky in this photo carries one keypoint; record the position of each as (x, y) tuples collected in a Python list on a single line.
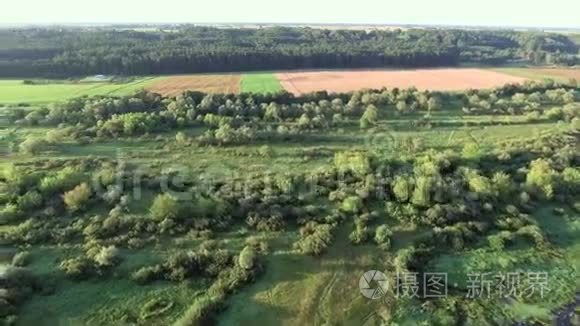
[(530, 13)]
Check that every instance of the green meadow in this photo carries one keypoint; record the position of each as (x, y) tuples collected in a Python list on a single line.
[(13, 91), (260, 83)]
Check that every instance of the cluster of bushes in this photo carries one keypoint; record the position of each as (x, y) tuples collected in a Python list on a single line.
[(17, 285), (529, 99), (97, 261), (46, 192), (314, 238), (184, 265), (245, 267)]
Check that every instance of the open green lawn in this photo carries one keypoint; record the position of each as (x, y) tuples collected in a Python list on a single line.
[(14, 91), (260, 83), (560, 75)]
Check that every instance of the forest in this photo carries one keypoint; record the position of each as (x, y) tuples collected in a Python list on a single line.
[(62, 52)]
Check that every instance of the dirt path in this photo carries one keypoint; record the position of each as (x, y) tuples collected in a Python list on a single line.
[(323, 315)]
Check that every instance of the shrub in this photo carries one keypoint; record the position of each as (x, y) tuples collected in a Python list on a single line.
[(9, 213), (33, 145), (383, 237), (107, 256), (247, 258), (77, 198), (21, 259), (422, 193), (181, 138), (266, 151), (356, 162), (360, 234), (555, 113), (541, 177), (77, 268), (201, 311), (351, 204), (147, 274), (471, 151), (164, 207), (60, 181), (30, 200), (155, 307), (402, 188), (498, 241), (314, 238)]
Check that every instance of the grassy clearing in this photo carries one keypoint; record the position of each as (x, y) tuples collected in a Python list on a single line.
[(260, 83), (300, 289), (15, 91), (561, 75)]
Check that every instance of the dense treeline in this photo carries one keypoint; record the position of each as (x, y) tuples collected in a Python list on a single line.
[(230, 119), (74, 52)]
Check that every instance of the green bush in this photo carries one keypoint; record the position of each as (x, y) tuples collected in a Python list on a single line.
[(314, 238), (21, 259), (79, 268), (147, 274), (383, 237), (351, 204), (164, 207), (247, 258), (77, 198)]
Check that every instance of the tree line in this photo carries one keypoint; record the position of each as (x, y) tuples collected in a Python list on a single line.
[(69, 52)]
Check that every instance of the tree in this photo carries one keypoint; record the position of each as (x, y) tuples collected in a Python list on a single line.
[(422, 193), (272, 112), (401, 106), (402, 188), (369, 117), (77, 198), (304, 121), (434, 104), (225, 134)]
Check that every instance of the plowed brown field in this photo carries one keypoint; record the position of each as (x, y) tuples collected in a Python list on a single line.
[(424, 79), (175, 85)]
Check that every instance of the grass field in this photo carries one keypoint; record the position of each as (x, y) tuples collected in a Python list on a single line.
[(260, 83), (15, 91), (562, 75)]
